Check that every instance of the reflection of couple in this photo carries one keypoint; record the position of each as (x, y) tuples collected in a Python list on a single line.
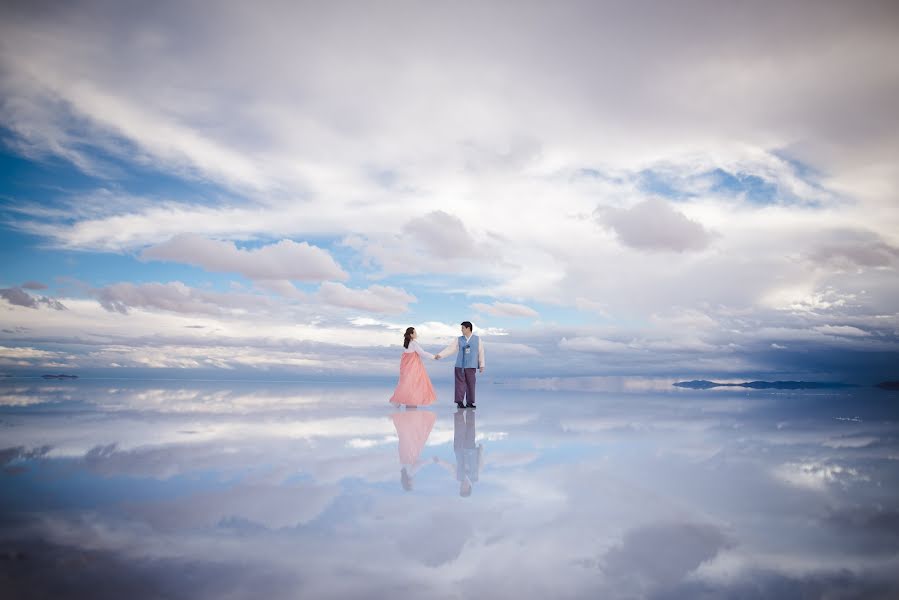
[(414, 387), (413, 428)]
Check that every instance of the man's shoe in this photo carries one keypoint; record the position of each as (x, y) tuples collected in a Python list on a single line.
[(470, 406), (460, 405)]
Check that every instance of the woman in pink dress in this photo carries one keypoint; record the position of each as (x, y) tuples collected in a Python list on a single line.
[(414, 387)]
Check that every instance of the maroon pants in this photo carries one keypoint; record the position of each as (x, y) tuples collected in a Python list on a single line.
[(465, 380)]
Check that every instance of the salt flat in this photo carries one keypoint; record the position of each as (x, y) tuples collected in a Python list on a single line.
[(147, 489)]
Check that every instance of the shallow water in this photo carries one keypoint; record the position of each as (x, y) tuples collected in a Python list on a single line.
[(210, 490)]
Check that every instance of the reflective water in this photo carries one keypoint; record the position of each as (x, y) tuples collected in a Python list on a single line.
[(204, 490)]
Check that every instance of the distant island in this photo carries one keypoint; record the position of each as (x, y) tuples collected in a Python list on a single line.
[(888, 385), (702, 384), (60, 376)]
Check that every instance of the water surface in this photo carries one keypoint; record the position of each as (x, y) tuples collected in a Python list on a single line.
[(209, 490)]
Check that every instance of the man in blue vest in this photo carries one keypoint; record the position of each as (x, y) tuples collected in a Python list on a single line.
[(469, 360)]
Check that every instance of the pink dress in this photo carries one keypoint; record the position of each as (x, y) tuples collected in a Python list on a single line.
[(413, 428), (414, 387)]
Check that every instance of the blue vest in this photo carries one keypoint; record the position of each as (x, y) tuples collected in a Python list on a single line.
[(467, 360)]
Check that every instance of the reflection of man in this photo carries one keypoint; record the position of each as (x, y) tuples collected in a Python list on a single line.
[(469, 359), (468, 456)]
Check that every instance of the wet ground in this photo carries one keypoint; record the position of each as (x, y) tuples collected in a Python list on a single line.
[(115, 489)]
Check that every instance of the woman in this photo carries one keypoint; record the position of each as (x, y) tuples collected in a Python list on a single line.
[(414, 387)]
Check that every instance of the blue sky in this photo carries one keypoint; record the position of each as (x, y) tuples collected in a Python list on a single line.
[(602, 192)]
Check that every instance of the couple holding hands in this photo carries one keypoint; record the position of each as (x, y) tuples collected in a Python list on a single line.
[(414, 387)]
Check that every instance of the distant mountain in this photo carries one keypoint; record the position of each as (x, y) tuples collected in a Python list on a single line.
[(60, 376), (702, 384), (888, 385)]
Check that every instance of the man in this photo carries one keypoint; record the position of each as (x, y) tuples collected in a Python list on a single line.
[(469, 360)]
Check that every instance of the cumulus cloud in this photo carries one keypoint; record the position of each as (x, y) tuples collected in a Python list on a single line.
[(441, 234), (377, 298), (655, 225), (436, 242), (285, 260), (851, 248), (505, 309), (19, 297)]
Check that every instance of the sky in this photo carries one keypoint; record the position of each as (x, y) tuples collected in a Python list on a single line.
[(689, 189)]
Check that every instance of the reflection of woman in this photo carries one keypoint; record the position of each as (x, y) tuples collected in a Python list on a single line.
[(412, 428), (414, 387)]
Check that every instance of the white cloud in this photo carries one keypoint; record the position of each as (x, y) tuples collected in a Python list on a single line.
[(842, 330), (457, 162), (377, 298), (817, 475), (436, 242), (284, 260), (505, 309), (441, 234), (174, 297), (854, 249), (654, 224), (593, 344), (17, 296)]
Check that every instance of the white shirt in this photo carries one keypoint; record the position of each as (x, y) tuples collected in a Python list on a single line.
[(454, 347), (416, 347)]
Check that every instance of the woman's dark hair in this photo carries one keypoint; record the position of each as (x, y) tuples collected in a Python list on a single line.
[(407, 337)]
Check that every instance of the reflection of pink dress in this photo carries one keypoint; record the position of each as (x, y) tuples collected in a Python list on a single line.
[(414, 387), (413, 428)]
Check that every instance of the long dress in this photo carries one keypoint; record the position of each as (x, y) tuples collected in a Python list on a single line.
[(414, 387)]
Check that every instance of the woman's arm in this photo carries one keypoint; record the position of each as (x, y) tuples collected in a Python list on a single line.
[(421, 351)]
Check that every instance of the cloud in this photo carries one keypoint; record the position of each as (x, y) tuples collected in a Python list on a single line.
[(654, 225), (662, 554), (284, 260), (19, 297), (473, 171), (436, 242), (593, 344), (818, 476), (377, 298), (853, 249), (34, 285), (842, 330), (505, 309), (174, 297), (441, 234)]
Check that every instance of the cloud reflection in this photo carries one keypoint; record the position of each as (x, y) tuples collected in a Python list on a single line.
[(616, 495)]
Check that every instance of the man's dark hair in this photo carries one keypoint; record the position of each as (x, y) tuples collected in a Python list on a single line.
[(467, 324)]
